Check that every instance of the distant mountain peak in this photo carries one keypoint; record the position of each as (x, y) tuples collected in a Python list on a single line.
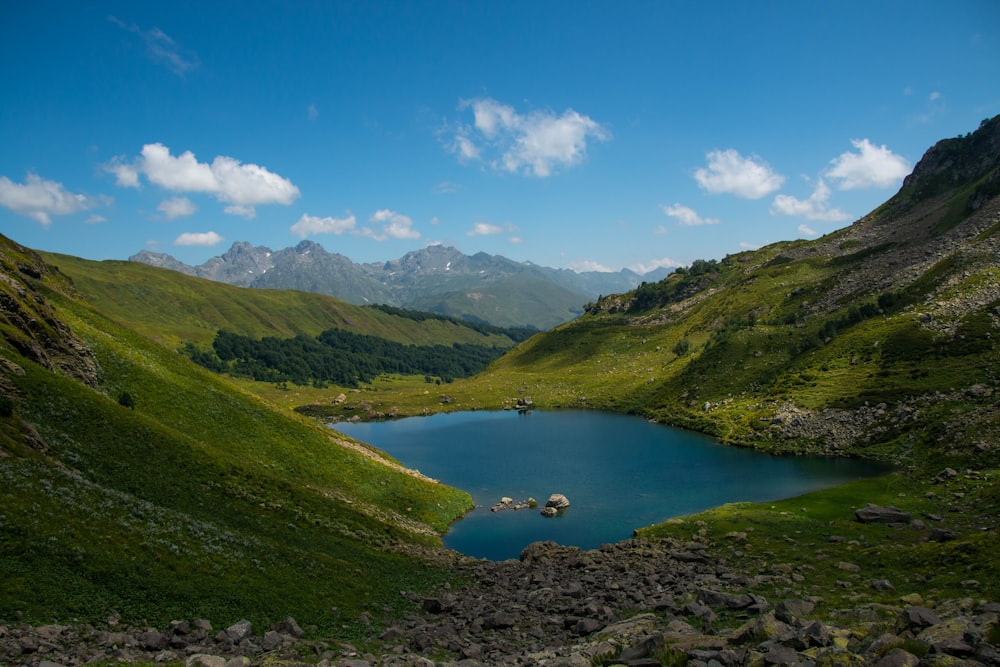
[(436, 278)]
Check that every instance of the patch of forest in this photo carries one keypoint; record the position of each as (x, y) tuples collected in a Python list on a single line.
[(516, 334), (338, 357)]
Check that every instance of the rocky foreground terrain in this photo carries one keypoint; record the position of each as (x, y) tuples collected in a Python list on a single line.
[(638, 603)]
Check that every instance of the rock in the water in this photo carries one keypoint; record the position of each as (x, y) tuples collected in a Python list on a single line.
[(557, 500), (556, 503)]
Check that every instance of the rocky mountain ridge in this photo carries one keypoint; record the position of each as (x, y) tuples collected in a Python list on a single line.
[(438, 279)]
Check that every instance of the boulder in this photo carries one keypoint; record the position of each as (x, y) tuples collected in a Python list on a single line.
[(556, 503), (919, 617), (239, 631), (557, 500), (872, 513), (898, 657)]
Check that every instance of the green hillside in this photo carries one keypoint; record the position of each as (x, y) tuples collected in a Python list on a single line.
[(513, 302), (881, 340), (133, 481), (173, 308), (198, 500)]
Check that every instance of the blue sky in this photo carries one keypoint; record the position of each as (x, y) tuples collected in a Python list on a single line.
[(589, 135)]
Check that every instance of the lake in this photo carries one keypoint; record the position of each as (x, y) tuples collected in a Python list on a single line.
[(619, 473)]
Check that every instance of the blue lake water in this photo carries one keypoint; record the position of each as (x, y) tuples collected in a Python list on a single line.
[(619, 473)]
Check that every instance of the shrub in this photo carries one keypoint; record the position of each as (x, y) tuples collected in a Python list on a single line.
[(126, 401)]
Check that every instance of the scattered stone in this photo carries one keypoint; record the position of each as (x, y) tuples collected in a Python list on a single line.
[(919, 617), (872, 513), (898, 657), (942, 535), (239, 631)]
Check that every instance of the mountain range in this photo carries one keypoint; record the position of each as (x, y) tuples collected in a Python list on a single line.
[(436, 279)]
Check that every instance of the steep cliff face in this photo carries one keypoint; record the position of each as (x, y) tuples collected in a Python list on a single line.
[(29, 326), (951, 163)]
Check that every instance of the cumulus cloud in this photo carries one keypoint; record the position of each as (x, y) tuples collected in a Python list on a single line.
[(586, 265), (206, 239), (817, 207), (687, 217), (40, 199), (176, 207), (871, 166), (534, 144), (729, 172), (652, 265), (389, 225), (241, 186), (311, 225), (126, 175), (485, 229), (161, 48), (806, 230)]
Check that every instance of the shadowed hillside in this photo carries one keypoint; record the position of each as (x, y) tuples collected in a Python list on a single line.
[(135, 483)]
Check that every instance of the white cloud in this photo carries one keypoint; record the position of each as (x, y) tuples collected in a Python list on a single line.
[(182, 173), (485, 229), (654, 264), (162, 48), (871, 166), (310, 225), (206, 239), (312, 112), (241, 186), (393, 226), (687, 217), (465, 149), (516, 239), (814, 208), (934, 96), (176, 207), (534, 144), (94, 219), (248, 212), (126, 175), (730, 172), (40, 199), (585, 265), (807, 230), (446, 188)]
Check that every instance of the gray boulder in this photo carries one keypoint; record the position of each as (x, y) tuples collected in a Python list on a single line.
[(872, 513)]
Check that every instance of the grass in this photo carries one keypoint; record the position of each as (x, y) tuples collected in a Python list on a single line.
[(217, 498), (202, 501), (810, 545), (173, 308)]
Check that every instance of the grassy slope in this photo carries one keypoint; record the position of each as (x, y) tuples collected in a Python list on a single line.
[(174, 308), (202, 501), (756, 350), (515, 301)]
